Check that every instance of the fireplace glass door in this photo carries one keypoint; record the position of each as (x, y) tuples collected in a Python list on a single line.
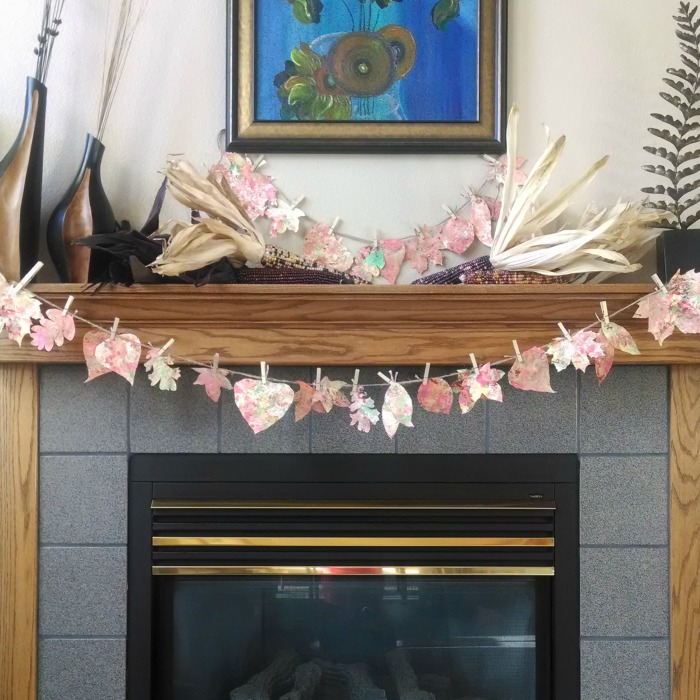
[(417, 633)]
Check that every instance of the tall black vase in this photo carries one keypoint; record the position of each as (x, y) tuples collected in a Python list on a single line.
[(83, 211), (21, 174)]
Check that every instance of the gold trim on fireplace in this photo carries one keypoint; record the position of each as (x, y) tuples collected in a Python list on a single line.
[(353, 571), (364, 542), (168, 504)]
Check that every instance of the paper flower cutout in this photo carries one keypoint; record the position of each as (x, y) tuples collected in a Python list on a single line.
[(425, 248), (53, 330), (436, 396), (262, 404), (213, 380), (498, 169), (481, 220), (578, 351), (309, 398), (161, 370), (532, 374), (397, 409), (283, 217), (363, 414), (457, 234), (17, 311), (323, 246), (254, 189), (105, 354)]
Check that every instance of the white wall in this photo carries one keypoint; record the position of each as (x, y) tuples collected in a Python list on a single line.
[(588, 68)]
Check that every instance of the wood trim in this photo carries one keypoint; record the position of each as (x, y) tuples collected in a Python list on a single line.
[(19, 506), (685, 532), (345, 325)]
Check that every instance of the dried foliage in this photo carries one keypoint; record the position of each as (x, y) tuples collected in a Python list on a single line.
[(50, 25), (131, 13), (681, 196)]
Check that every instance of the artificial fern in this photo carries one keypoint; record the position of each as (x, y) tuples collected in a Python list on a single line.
[(681, 196)]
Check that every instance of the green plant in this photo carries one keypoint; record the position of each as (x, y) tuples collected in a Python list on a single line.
[(680, 197)]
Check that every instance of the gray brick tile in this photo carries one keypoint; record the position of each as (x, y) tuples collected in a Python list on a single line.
[(624, 592), (625, 670), (79, 417), (82, 591), (82, 669), (185, 420), (628, 413), (83, 499), (624, 500), (528, 421), (284, 436)]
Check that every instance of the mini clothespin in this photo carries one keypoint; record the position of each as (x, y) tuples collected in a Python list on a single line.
[(317, 385), (388, 380), (375, 245), (566, 333), (260, 162), (162, 351), (426, 374), (604, 309), (336, 221), (27, 278), (659, 284), (356, 380), (69, 302), (263, 372), (475, 364), (297, 201), (518, 355), (115, 325), (452, 215), (215, 363)]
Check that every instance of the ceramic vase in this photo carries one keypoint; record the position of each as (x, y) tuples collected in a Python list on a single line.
[(677, 249), (21, 172), (83, 211)]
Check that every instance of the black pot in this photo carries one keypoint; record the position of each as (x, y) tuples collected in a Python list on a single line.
[(677, 249), (83, 211)]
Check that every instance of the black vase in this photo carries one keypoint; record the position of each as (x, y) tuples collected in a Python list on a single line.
[(21, 173), (83, 211), (677, 249)]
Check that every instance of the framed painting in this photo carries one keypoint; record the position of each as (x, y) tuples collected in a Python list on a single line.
[(367, 76)]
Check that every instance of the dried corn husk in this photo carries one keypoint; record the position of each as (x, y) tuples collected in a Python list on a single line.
[(602, 243)]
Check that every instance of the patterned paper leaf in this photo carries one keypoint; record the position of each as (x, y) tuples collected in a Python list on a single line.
[(397, 409), (457, 234), (579, 351), (255, 190), (161, 370), (436, 396), (120, 355), (90, 342), (284, 217), (323, 246), (425, 248), (369, 263), (619, 338), (499, 169), (466, 403), (262, 404), (303, 399), (363, 414), (17, 311), (53, 330), (481, 220), (394, 254), (657, 308), (532, 374), (213, 381), (687, 317), (321, 400), (604, 364), (484, 382)]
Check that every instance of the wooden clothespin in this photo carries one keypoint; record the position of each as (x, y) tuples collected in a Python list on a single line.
[(297, 201), (566, 333), (604, 309), (259, 163), (388, 380), (518, 355), (336, 221), (263, 372), (318, 379), (215, 363), (356, 380), (659, 284), (376, 241), (475, 364), (165, 347), (69, 303), (451, 213), (115, 325), (426, 373), (27, 278)]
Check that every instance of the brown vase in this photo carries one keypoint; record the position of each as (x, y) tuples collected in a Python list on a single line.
[(20, 188)]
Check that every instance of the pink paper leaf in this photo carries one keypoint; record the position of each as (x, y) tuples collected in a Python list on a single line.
[(53, 330), (369, 263), (619, 337), (255, 190), (657, 308), (90, 342), (480, 217), (363, 414), (532, 374), (498, 169), (284, 217), (394, 253), (161, 370), (17, 310), (397, 409), (436, 396), (303, 400), (425, 248), (323, 246), (262, 404), (120, 355), (457, 235), (213, 381), (604, 364), (579, 351)]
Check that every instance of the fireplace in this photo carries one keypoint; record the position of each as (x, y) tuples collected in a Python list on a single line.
[(366, 577)]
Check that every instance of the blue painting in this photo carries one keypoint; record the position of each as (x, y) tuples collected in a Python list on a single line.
[(367, 60)]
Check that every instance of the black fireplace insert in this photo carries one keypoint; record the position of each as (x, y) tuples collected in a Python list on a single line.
[(353, 577)]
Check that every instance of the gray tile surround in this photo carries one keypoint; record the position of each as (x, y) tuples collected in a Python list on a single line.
[(620, 430)]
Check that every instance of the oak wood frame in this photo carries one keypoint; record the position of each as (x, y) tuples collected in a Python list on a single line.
[(336, 326)]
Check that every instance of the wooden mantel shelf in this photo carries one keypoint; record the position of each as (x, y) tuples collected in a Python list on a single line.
[(338, 325)]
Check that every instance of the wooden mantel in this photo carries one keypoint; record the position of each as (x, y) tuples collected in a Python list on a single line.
[(337, 326)]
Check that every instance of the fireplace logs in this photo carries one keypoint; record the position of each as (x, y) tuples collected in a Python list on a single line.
[(404, 676), (268, 684), (307, 678)]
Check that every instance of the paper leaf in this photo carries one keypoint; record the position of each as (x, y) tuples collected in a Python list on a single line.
[(323, 246), (499, 169), (466, 403), (363, 414), (394, 254), (481, 220), (90, 342), (17, 312), (303, 400), (53, 330), (619, 338), (321, 400), (485, 383), (369, 263), (532, 374), (213, 381), (120, 355), (579, 351), (657, 308), (161, 370), (255, 190), (284, 217), (262, 405), (436, 396), (457, 235), (604, 364), (397, 409), (687, 317), (425, 248)]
